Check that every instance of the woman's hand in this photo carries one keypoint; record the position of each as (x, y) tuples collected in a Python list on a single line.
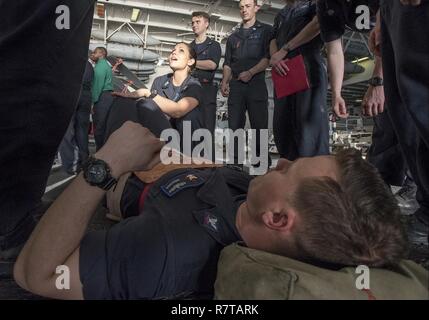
[(141, 93)]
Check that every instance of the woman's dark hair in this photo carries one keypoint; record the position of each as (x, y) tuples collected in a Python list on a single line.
[(192, 54)]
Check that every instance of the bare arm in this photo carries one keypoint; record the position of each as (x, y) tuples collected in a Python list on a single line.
[(336, 76), (374, 101), (336, 65), (56, 239), (208, 65), (273, 47), (260, 67), (310, 31), (170, 107), (176, 109), (227, 76)]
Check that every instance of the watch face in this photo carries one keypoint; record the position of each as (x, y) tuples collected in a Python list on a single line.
[(97, 173)]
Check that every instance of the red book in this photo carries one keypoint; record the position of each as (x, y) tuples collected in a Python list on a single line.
[(295, 81)]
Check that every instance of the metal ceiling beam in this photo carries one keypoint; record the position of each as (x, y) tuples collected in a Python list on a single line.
[(162, 8)]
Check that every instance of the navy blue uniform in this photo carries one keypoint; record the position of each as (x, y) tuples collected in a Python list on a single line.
[(301, 121), (405, 50), (171, 249), (149, 115), (335, 16), (208, 50), (40, 86), (245, 48), (74, 147)]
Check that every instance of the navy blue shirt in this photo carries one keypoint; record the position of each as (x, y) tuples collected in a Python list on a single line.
[(208, 50), (246, 48), (172, 248), (291, 20), (337, 15), (191, 88)]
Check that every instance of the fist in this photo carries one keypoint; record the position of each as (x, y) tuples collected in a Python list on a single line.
[(131, 148)]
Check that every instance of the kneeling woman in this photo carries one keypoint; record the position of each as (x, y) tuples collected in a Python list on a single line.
[(174, 99)]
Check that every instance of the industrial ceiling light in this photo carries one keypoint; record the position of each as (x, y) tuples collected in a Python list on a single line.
[(361, 60), (101, 10), (135, 15)]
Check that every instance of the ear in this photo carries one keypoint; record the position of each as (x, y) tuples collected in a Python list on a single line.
[(281, 221), (191, 62), (257, 8)]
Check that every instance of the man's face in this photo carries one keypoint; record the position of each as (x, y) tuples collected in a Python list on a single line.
[(271, 193), (199, 25), (248, 10), (96, 55)]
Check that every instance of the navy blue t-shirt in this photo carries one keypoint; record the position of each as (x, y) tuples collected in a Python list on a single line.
[(208, 50), (335, 16), (246, 48)]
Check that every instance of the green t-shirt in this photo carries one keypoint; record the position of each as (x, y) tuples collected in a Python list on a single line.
[(102, 79)]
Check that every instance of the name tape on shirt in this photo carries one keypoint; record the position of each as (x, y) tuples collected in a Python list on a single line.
[(180, 183)]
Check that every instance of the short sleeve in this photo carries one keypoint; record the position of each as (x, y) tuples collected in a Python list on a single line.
[(276, 26), (331, 20), (126, 262), (228, 52), (195, 91), (215, 52), (267, 41), (156, 85)]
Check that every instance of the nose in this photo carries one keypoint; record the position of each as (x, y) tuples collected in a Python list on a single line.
[(283, 165)]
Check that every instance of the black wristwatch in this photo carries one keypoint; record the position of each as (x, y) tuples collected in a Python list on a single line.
[(153, 94), (98, 174), (376, 82)]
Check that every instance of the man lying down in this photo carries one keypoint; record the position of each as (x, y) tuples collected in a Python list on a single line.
[(328, 211)]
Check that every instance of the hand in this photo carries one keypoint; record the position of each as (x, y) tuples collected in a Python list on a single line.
[(141, 93), (411, 2), (339, 106), (373, 102), (282, 68), (224, 88), (277, 62), (245, 76), (131, 148), (119, 61)]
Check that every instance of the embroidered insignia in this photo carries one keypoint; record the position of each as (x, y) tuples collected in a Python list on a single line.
[(180, 183), (211, 222)]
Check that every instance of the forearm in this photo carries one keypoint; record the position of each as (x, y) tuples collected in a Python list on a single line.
[(336, 66), (307, 34), (59, 233), (378, 69), (169, 107), (208, 65), (273, 47), (227, 74), (260, 67)]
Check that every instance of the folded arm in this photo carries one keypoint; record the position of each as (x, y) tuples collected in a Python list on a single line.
[(56, 240)]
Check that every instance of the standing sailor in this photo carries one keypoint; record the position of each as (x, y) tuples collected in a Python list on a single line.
[(209, 53), (246, 59)]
